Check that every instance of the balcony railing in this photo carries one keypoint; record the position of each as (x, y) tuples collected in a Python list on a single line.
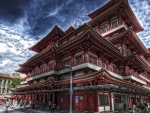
[(60, 66), (93, 61)]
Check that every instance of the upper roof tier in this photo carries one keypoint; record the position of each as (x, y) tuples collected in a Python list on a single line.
[(70, 29), (55, 32), (121, 6)]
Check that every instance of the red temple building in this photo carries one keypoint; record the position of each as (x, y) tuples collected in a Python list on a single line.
[(110, 65)]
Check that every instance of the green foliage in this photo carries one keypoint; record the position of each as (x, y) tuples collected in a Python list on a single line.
[(14, 83)]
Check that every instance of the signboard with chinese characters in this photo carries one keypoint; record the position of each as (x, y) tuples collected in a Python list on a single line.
[(76, 99)]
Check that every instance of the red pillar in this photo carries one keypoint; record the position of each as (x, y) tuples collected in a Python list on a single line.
[(131, 101), (40, 98), (29, 98), (97, 108), (53, 97), (44, 97)]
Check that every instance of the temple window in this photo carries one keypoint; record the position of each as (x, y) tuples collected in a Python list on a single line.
[(104, 28), (121, 70), (78, 57), (104, 99), (120, 49), (92, 60), (126, 53), (67, 62), (114, 23)]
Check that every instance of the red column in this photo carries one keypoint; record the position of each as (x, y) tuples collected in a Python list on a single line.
[(96, 94), (53, 99), (40, 98), (22, 97), (44, 97), (111, 101), (35, 96), (131, 101), (29, 98)]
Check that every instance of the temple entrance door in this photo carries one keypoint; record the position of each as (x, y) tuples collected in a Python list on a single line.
[(79, 104)]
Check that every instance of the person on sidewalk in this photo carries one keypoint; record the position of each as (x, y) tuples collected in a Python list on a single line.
[(16, 103), (33, 104), (20, 103), (7, 104), (146, 108), (37, 104), (53, 105), (24, 103), (134, 108), (49, 104), (43, 104)]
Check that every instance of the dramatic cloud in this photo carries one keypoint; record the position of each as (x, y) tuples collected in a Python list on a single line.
[(141, 8), (24, 22)]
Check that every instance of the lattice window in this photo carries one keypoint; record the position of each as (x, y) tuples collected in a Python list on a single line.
[(104, 99), (67, 62), (104, 28), (114, 23)]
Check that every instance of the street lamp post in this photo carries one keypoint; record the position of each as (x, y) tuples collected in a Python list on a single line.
[(70, 91)]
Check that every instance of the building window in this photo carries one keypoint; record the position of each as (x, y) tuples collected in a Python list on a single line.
[(120, 49), (78, 57), (67, 62), (114, 23), (104, 28), (92, 60), (104, 99), (126, 53)]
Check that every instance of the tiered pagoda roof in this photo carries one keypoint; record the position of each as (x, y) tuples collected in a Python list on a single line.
[(56, 31), (122, 7)]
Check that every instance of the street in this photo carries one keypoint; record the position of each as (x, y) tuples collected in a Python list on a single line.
[(18, 110)]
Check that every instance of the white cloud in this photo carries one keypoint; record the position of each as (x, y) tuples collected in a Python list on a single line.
[(3, 47)]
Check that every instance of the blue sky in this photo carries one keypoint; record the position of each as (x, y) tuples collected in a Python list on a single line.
[(24, 22)]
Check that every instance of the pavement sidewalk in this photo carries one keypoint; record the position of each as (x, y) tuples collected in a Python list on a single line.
[(56, 111), (45, 110)]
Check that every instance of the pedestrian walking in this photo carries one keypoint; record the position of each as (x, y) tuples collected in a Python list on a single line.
[(49, 104), (37, 104), (43, 104), (134, 108), (7, 104), (146, 108), (33, 104), (16, 104), (20, 103), (24, 103), (53, 105)]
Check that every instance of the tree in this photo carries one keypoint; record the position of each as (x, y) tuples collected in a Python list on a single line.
[(14, 83)]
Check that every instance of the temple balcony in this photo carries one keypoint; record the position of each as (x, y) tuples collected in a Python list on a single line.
[(114, 28), (91, 63)]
